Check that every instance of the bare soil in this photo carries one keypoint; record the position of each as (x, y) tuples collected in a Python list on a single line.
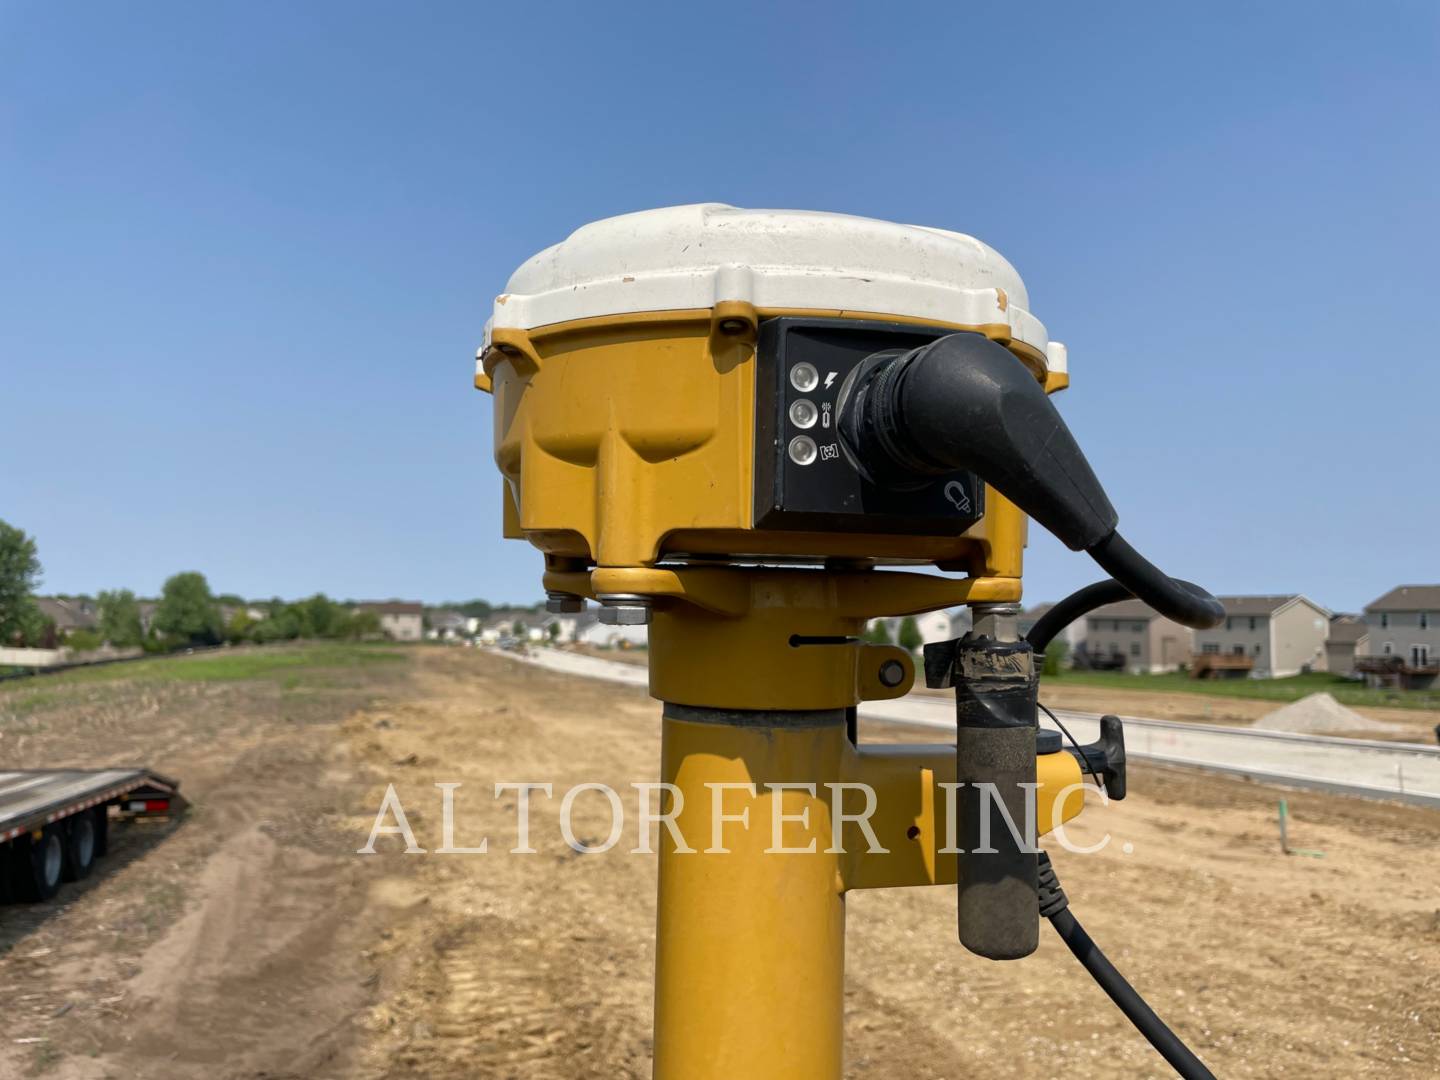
[(249, 940), (1409, 725)]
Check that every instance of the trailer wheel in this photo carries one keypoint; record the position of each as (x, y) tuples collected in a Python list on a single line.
[(102, 830), (79, 846), (38, 864)]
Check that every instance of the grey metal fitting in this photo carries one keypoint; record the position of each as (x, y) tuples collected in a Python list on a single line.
[(563, 603), (999, 622), (624, 609)]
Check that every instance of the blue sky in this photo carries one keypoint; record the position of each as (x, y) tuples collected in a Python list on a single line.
[(247, 250)]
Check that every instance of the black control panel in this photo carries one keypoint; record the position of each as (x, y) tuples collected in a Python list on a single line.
[(805, 477)]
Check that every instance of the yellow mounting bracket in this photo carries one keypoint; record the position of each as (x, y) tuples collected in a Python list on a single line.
[(747, 637)]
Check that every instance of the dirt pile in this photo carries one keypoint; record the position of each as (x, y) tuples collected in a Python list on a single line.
[(1321, 714)]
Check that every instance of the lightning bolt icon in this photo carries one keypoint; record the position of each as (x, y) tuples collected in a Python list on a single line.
[(829, 378)]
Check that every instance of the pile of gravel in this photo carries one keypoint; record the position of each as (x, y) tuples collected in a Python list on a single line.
[(1320, 714)]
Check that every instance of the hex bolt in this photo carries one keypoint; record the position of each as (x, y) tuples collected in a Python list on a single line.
[(563, 603), (892, 673), (997, 621), (624, 609), (733, 326)]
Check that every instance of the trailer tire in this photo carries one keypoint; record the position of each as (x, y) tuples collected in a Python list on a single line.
[(102, 830), (79, 846), (39, 864)]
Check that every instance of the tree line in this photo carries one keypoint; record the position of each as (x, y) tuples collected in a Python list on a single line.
[(187, 614)]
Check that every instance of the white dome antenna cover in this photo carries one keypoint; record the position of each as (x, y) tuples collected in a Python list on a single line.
[(689, 257)]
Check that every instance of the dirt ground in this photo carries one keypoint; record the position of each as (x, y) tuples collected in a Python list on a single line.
[(1412, 725), (250, 941)]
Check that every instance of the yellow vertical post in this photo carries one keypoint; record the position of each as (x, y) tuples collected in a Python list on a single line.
[(750, 940)]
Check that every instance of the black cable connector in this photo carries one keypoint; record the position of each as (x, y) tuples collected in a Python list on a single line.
[(1056, 907), (964, 402)]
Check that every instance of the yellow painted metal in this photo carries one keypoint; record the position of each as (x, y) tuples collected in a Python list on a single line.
[(750, 945), (627, 445), (722, 636), (911, 810), (750, 939), (627, 439)]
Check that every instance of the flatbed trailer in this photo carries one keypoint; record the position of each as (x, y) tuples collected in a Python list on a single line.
[(54, 823)]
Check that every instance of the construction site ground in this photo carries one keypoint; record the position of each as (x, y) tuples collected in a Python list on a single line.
[(249, 940)]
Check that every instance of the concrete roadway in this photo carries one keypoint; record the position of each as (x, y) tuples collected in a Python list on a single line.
[(1382, 770)]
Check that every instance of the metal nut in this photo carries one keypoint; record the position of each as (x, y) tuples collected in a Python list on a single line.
[(624, 610), (563, 603)]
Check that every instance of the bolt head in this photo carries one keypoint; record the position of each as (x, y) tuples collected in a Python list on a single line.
[(560, 603), (624, 615), (892, 673), (733, 326)]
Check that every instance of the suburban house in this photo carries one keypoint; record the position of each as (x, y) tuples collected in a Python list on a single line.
[(69, 615), (524, 625), (1073, 635), (591, 631), (400, 620), (1270, 637), (561, 628), (532, 626), (447, 626), (1130, 635), (1404, 637), (1349, 639)]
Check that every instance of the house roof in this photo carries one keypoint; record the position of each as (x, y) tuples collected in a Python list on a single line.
[(1234, 605), (1125, 609), (1408, 598), (1264, 605), (392, 607), (508, 619), (1347, 630), (68, 614)]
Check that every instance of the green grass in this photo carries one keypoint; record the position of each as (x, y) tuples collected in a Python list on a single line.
[(227, 666), (1288, 689)]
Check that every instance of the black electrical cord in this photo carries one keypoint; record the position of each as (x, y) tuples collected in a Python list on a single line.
[(1092, 596), (1185, 602), (1079, 603), (1079, 753), (962, 403), (1055, 906)]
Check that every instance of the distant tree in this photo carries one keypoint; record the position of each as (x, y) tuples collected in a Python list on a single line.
[(83, 640), (120, 622), (553, 631), (364, 624), (518, 629), (20, 620), (1055, 655), (321, 617), (909, 637), (230, 599), (238, 626), (187, 614), (877, 633)]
